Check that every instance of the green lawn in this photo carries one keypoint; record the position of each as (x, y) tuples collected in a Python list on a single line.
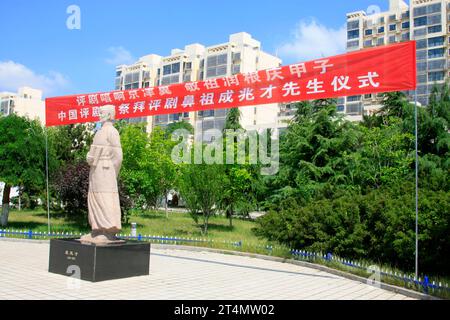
[(151, 223)]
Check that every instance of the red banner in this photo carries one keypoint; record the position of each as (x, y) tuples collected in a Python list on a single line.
[(379, 69)]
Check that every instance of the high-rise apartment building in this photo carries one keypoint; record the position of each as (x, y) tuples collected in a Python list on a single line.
[(426, 21), (26, 102), (196, 62)]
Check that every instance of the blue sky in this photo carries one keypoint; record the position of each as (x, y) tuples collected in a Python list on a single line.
[(37, 49)]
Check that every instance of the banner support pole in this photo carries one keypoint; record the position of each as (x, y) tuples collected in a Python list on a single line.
[(417, 186), (46, 177)]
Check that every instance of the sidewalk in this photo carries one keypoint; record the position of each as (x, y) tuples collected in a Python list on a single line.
[(178, 274)]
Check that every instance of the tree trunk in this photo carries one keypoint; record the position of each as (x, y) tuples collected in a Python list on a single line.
[(5, 205), (205, 225), (165, 207), (230, 216)]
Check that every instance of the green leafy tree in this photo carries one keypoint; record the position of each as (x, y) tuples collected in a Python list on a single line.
[(148, 171), (201, 186), (172, 127), (71, 142), (22, 150), (232, 120), (312, 153)]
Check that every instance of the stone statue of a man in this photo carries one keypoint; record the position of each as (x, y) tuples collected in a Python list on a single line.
[(104, 159)]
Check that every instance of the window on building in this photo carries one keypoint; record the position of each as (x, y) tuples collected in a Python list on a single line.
[(405, 25), (422, 78), (420, 44), (354, 109), (380, 41), (236, 69), (367, 43), (420, 11), (436, 64), (434, 19), (352, 44), (170, 79), (171, 68), (392, 27), (368, 32), (236, 56), (422, 21), (436, 76), (392, 17), (421, 66), (220, 112), (128, 78), (392, 39), (405, 15), (436, 41), (435, 29), (435, 53), (217, 65), (433, 8), (421, 54), (352, 25), (420, 32), (380, 29), (176, 67), (167, 69), (353, 98), (405, 36), (352, 34)]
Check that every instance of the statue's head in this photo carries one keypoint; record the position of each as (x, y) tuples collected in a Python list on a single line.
[(107, 113)]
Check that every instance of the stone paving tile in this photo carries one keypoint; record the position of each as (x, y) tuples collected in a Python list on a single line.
[(178, 274)]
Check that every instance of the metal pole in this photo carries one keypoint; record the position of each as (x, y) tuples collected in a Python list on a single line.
[(46, 176), (417, 186)]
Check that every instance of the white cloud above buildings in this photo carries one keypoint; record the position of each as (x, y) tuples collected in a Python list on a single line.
[(311, 40), (14, 75), (119, 55)]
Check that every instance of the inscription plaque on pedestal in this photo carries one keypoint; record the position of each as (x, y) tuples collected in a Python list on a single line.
[(95, 262)]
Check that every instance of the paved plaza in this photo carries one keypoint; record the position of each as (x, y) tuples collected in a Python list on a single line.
[(178, 274)]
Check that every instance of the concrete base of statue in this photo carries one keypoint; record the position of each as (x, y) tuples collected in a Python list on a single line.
[(99, 262)]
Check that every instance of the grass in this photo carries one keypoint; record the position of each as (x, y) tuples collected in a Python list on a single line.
[(181, 225), (148, 223)]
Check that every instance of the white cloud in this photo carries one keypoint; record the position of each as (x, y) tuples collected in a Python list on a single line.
[(14, 75), (119, 55), (311, 40)]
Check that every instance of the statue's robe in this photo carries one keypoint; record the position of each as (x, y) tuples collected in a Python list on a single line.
[(105, 159)]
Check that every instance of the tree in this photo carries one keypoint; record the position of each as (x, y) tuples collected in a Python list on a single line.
[(349, 188), (201, 186), (22, 150), (232, 120), (148, 171), (71, 142), (164, 170), (72, 187), (312, 153), (172, 127)]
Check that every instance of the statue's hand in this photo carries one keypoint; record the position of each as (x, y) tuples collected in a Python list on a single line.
[(90, 159)]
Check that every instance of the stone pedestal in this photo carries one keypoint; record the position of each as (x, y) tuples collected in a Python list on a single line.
[(94, 263)]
